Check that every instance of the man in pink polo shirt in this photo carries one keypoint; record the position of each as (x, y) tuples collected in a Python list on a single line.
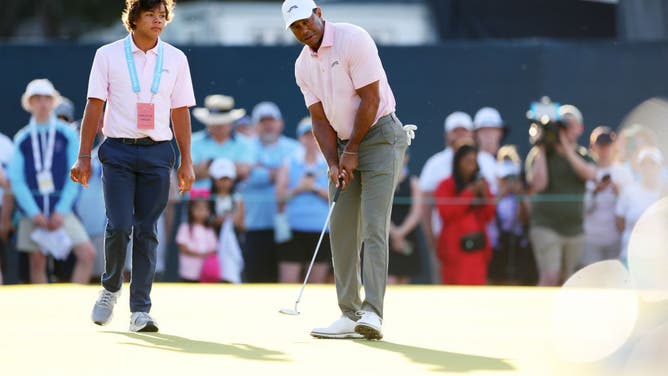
[(352, 108), (144, 82)]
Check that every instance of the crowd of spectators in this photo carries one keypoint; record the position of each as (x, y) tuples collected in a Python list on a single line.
[(476, 214)]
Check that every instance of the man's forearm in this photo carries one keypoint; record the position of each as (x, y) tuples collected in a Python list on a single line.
[(538, 178), (7, 206), (182, 132), (89, 125), (326, 138), (584, 170)]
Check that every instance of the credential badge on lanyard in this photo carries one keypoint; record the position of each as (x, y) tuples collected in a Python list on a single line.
[(44, 147), (145, 111)]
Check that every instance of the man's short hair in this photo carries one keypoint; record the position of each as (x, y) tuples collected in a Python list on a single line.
[(133, 9)]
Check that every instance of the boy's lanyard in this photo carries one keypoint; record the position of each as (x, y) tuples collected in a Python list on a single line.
[(132, 68), (45, 148)]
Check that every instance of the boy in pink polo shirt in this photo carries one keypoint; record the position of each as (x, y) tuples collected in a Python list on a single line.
[(144, 82), (352, 108)]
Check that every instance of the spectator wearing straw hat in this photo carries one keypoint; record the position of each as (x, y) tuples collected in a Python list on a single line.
[(45, 196), (217, 141)]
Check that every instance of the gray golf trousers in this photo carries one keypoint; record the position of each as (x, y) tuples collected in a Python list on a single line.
[(362, 215)]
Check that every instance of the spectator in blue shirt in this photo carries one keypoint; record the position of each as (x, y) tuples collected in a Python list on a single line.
[(258, 191), (302, 192), (39, 174)]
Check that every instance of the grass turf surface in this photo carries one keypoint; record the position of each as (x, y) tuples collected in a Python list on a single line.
[(236, 330)]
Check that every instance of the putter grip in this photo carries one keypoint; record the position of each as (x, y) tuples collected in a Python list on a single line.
[(338, 191)]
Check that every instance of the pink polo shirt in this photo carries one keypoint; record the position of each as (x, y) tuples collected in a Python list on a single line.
[(110, 81), (347, 60)]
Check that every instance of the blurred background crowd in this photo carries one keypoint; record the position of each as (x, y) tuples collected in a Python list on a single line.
[(501, 186)]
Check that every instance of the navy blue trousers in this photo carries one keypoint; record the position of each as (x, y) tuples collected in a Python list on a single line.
[(135, 181)]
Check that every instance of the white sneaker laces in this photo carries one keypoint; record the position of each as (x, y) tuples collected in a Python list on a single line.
[(106, 298)]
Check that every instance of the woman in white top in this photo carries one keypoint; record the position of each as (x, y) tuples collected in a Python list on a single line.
[(640, 195)]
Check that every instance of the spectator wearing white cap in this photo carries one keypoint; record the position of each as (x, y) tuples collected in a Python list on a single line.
[(458, 125), (228, 218), (302, 193), (489, 130), (556, 178), (270, 150), (639, 195), (38, 171), (217, 140)]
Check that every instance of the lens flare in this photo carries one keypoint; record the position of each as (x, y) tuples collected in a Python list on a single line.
[(648, 253), (594, 313)]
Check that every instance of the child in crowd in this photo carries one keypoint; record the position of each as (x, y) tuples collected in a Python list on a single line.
[(228, 218), (196, 239)]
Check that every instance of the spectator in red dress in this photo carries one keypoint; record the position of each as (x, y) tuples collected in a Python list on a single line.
[(465, 205)]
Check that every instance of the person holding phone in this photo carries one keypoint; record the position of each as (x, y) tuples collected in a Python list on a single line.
[(602, 237), (465, 204)]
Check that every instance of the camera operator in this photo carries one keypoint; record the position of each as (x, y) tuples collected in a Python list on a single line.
[(557, 170)]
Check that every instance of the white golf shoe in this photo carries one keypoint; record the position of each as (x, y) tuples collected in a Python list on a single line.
[(340, 329), (369, 326), (104, 306), (142, 322)]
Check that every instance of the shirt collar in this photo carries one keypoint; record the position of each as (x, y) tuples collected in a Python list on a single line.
[(327, 38), (154, 50)]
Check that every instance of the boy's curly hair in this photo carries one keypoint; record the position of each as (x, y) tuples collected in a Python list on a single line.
[(133, 9)]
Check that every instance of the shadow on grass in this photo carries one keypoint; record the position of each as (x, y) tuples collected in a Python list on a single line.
[(170, 342), (442, 361)]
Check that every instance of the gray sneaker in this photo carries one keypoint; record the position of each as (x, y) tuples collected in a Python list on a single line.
[(142, 322), (104, 306)]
